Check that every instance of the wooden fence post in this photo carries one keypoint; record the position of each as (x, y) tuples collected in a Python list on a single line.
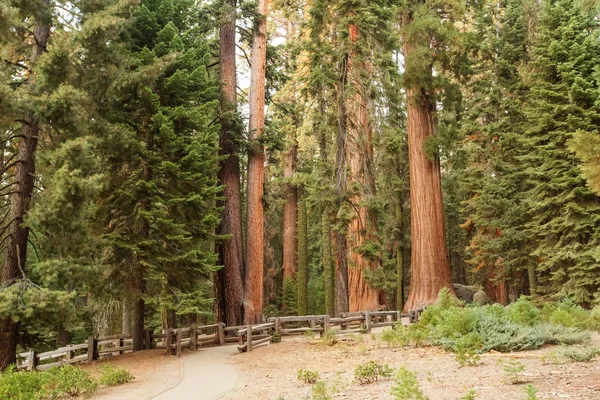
[(398, 316), (325, 323), (193, 337), (169, 340), (367, 321), (278, 326), (148, 339), (249, 338), (68, 354), (178, 343), (221, 333), (92, 349), (31, 360)]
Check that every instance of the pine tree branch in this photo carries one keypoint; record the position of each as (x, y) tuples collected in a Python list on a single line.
[(17, 64), (244, 54)]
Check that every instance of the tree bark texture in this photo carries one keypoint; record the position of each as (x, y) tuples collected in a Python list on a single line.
[(253, 302), (20, 202), (230, 283), (341, 244), (302, 277), (327, 264), (362, 229), (290, 230), (430, 270), (126, 322)]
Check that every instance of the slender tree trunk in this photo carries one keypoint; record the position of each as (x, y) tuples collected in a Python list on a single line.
[(63, 337), (430, 268), (399, 259), (139, 309), (230, 289), (290, 217), (302, 279), (253, 303), (126, 324), (20, 202), (327, 263), (341, 244)]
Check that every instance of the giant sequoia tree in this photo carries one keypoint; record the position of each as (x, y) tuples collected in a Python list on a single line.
[(230, 285), (426, 31), (253, 302)]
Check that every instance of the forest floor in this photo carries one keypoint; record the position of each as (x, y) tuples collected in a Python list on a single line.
[(270, 372)]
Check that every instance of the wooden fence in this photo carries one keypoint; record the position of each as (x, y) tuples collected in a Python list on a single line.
[(193, 337), (251, 336)]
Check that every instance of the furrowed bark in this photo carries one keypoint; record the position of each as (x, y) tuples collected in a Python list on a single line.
[(430, 270), (253, 302), (230, 283)]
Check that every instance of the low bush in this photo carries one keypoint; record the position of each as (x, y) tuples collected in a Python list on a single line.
[(371, 372), (578, 354), (512, 370), (329, 338), (530, 392), (520, 326), (56, 383), (407, 386), (320, 391), (113, 376), (308, 377), (470, 395)]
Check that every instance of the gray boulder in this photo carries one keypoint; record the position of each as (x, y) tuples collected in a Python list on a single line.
[(464, 292), (481, 298)]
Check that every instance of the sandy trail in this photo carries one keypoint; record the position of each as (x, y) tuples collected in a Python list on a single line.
[(202, 375), (207, 376)]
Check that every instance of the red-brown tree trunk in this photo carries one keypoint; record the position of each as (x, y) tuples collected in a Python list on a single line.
[(20, 201), (230, 283), (362, 228), (430, 270), (253, 302)]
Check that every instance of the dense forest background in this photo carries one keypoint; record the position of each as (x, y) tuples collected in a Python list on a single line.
[(173, 161)]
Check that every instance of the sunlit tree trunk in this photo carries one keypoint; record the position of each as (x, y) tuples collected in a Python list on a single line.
[(230, 290), (430, 270), (302, 277), (253, 302)]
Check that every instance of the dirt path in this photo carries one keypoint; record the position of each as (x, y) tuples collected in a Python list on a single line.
[(202, 375), (207, 376)]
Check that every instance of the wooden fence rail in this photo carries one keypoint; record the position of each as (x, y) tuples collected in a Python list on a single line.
[(194, 337)]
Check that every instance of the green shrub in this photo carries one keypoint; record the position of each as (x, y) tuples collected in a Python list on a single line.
[(308, 377), (567, 313), (530, 392), (401, 336), (22, 385), (470, 395), (309, 334), (522, 312), (467, 349), (69, 381), (578, 354), (371, 372), (518, 327), (276, 338), (512, 370), (329, 338), (320, 391), (407, 386), (112, 376)]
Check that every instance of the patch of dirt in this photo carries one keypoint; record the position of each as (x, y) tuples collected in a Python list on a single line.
[(270, 372), (154, 372)]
